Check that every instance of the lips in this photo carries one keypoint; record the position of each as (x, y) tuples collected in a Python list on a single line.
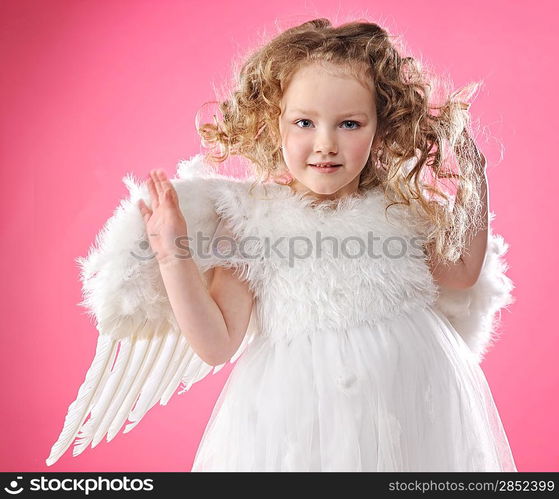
[(324, 165), (330, 168)]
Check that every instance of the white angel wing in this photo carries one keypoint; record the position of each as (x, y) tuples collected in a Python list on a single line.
[(141, 356), (475, 312)]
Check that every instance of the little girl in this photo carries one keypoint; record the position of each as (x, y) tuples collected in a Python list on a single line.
[(354, 282)]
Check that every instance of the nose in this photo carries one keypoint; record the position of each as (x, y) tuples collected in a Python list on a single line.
[(325, 143)]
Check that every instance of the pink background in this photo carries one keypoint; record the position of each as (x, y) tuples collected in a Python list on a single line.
[(93, 90)]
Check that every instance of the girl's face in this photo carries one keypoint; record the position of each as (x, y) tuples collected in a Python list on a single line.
[(326, 116)]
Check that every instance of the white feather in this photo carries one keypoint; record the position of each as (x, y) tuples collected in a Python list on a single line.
[(79, 409)]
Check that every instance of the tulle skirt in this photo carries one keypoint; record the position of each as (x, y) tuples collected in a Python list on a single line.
[(404, 395)]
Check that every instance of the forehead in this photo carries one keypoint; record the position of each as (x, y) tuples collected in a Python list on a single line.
[(329, 86), (321, 69)]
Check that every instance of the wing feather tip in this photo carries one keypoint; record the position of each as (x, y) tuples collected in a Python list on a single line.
[(130, 426)]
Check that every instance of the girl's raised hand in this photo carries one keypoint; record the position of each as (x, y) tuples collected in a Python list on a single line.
[(164, 222)]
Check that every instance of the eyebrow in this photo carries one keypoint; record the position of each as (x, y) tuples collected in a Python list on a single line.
[(311, 113)]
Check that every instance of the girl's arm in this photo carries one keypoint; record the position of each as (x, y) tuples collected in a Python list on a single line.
[(465, 272), (214, 318)]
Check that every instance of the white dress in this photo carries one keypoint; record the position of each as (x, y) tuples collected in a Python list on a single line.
[(351, 367), (354, 360)]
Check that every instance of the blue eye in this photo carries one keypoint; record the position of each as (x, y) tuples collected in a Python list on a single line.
[(357, 125), (354, 122)]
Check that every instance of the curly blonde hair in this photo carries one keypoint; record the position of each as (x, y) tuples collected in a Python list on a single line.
[(416, 137)]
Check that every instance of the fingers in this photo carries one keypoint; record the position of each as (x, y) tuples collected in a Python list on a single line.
[(157, 178), (160, 188), (144, 210), (153, 191), (167, 189)]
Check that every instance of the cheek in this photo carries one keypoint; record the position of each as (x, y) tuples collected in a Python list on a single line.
[(295, 144), (358, 147)]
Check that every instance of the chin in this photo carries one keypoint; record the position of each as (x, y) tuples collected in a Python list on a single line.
[(324, 190)]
